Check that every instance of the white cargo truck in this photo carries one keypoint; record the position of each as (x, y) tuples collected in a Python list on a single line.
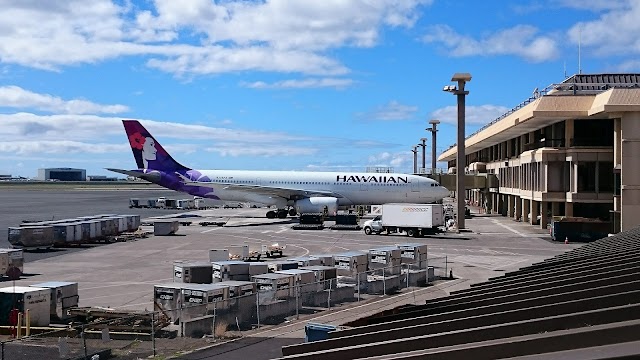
[(412, 219)]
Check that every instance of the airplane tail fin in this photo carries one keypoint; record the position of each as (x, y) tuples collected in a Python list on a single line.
[(149, 154)]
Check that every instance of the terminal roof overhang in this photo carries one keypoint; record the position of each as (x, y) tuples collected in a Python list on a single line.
[(547, 110)]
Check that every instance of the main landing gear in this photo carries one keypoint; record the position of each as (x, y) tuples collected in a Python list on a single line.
[(281, 213)]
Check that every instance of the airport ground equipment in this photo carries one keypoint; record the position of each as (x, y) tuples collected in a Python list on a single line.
[(230, 270), (352, 264), (243, 253), (310, 221), (323, 274), (385, 260), (36, 300), (346, 222), (213, 223), (165, 227), (578, 229), (14, 262), (414, 255), (199, 272), (281, 265), (306, 261), (413, 219), (273, 286), (273, 250), (63, 296)]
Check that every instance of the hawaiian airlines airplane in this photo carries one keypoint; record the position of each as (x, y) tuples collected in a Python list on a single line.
[(290, 191)]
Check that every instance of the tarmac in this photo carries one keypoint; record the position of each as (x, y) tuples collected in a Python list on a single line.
[(122, 275)]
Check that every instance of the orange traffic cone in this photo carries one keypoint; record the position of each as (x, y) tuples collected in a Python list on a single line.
[(566, 240)]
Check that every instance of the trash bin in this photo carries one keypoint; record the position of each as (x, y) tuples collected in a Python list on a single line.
[(316, 332)]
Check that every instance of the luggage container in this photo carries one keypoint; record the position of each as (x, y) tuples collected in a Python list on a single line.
[(198, 272), (230, 270), (414, 254), (272, 287), (85, 228), (165, 227), (304, 280), (23, 298), (110, 226), (218, 255), (122, 224), (281, 265), (152, 203), (4, 263), (325, 259), (93, 229), (351, 263), (240, 288), (327, 275), (63, 296), (201, 299), (132, 222), (306, 261), (31, 236), (63, 233), (385, 260), (257, 268), (16, 258), (169, 297)]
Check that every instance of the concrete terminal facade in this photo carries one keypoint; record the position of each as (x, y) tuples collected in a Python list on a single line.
[(569, 150)]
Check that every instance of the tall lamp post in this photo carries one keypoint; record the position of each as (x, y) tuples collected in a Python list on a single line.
[(415, 159), (434, 123), (459, 91), (424, 147)]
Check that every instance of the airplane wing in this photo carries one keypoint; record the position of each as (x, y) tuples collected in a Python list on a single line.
[(283, 192)]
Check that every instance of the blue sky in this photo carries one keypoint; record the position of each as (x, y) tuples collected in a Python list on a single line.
[(330, 85)]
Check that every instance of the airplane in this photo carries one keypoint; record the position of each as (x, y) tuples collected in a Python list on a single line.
[(291, 192)]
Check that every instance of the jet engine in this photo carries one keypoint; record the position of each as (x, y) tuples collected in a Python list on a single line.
[(317, 205)]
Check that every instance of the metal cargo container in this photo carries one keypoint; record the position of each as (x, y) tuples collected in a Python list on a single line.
[(414, 254), (324, 274), (16, 258), (230, 270), (31, 236), (63, 233), (36, 300), (257, 268), (85, 228), (305, 280), (218, 255), (93, 229), (110, 226), (386, 260), (63, 296), (77, 232), (273, 287), (169, 297), (325, 259), (306, 261), (201, 299), (281, 265), (198, 272), (132, 222), (351, 263), (4, 263), (122, 224), (240, 288), (165, 227)]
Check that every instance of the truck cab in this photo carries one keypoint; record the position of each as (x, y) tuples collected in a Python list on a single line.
[(373, 226)]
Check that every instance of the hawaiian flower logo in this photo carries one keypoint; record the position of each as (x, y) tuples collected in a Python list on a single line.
[(137, 141)]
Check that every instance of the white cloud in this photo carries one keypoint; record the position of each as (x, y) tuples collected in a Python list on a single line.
[(17, 97), (615, 32), (474, 115), (59, 147), (399, 161), (391, 111), (521, 40), (197, 36), (595, 5), (302, 84), (266, 150)]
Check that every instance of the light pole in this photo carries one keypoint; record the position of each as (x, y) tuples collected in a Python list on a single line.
[(415, 159), (434, 123), (459, 91), (424, 147)]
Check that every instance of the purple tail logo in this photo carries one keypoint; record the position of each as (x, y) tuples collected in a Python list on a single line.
[(149, 154)]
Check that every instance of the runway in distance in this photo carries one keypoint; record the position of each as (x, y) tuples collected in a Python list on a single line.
[(291, 192)]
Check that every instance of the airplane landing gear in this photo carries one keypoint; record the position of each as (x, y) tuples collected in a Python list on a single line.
[(280, 214), (293, 212), (271, 214)]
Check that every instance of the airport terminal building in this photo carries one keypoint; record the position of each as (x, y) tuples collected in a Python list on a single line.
[(62, 174), (569, 150)]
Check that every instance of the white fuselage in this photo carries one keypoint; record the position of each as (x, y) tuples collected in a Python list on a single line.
[(352, 188)]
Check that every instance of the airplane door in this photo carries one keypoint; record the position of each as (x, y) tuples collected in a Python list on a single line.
[(415, 186)]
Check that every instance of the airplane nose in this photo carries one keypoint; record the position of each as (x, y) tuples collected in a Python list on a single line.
[(444, 192)]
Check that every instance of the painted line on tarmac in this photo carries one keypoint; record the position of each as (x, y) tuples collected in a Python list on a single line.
[(209, 230), (509, 228)]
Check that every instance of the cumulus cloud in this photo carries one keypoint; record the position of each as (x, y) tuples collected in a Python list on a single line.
[(17, 97), (399, 161), (522, 40), (390, 111), (336, 83), (614, 32), (474, 115), (197, 36)]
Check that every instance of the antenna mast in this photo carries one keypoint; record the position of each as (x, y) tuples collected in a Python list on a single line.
[(579, 48)]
